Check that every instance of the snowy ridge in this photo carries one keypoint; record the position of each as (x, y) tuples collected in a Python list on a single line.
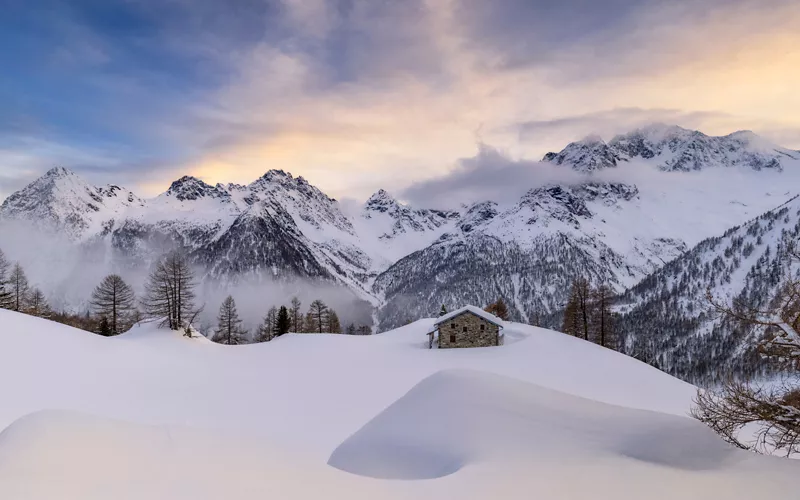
[(199, 422), (673, 148)]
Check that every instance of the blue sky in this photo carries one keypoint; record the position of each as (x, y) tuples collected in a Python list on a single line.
[(357, 95)]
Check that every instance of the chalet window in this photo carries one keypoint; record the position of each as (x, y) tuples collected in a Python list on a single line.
[(452, 338), (483, 327), (452, 325), (464, 329)]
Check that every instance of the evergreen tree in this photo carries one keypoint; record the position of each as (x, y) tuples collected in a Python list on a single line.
[(442, 311), (351, 329), (229, 326), (282, 321), (104, 327), (364, 330), (114, 300), (169, 292), (18, 286), (333, 322), (318, 314), (295, 316)]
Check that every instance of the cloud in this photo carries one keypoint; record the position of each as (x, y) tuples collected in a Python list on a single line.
[(489, 175), (356, 95)]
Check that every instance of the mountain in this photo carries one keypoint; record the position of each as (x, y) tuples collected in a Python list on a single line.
[(587, 155), (278, 228), (668, 321), (644, 199), (540, 243), (63, 201), (673, 148)]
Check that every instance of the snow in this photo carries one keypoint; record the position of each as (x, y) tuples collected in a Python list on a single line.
[(477, 311), (153, 414), (673, 211), (457, 419)]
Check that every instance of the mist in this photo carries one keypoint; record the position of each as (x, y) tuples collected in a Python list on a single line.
[(67, 272), (493, 175)]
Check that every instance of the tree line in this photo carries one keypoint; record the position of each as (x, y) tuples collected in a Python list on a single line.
[(17, 294), (279, 320), (169, 298), (113, 306)]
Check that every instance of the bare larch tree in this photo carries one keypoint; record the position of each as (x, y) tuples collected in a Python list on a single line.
[(6, 301), (318, 314), (114, 300), (37, 304), (169, 292), (295, 316), (18, 287), (775, 411), (601, 318), (229, 326)]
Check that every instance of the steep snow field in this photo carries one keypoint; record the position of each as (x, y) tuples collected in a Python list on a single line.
[(151, 414)]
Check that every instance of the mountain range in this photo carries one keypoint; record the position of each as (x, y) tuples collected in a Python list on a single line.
[(642, 200)]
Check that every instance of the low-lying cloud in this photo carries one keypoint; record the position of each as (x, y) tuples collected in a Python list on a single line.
[(68, 272), (489, 175)]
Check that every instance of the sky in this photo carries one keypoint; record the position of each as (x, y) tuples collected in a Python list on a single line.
[(357, 95)]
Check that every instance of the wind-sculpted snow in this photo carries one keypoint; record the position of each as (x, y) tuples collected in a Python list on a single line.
[(458, 418), (153, 414)]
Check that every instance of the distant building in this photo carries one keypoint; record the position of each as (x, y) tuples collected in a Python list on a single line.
[(469, 326)]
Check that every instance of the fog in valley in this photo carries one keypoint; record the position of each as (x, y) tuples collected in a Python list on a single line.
[(67, 272)]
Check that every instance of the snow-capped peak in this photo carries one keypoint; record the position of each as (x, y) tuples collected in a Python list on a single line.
[(57, 172), (588, 155), (380, 201), (189, 188), (62, 200), (672, 148)]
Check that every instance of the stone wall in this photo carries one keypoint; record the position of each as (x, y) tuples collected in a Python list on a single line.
[(473, 337)]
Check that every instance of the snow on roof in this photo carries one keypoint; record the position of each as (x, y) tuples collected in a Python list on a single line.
[(477, 311)]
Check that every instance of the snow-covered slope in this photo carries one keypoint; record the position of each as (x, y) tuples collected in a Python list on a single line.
[(640, 200), (153, 414), (668, 320)]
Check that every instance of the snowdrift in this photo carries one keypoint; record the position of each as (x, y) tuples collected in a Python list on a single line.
[(457, 418), (152, 414)]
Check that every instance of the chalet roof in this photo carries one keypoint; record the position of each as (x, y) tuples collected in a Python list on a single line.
[(477, 311)]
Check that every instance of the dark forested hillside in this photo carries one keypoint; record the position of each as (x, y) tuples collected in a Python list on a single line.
[(667, 320)]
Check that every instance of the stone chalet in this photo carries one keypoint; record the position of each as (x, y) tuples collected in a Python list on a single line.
[(469, 326)]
